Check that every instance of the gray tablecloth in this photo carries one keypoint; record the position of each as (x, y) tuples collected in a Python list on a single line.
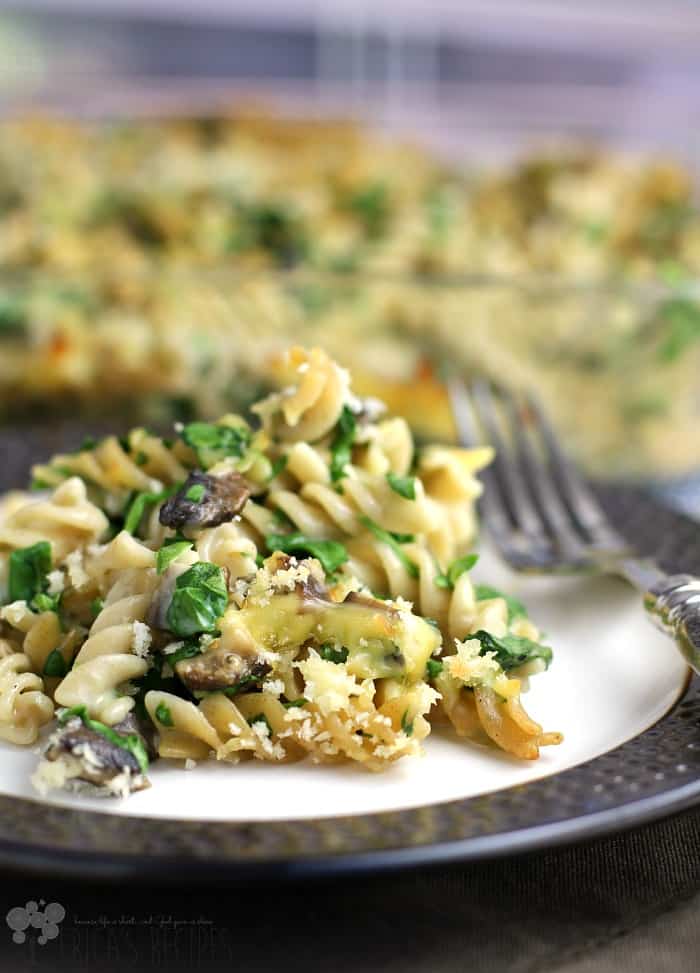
[(630, 903)]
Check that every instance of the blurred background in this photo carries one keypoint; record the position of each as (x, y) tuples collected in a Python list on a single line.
[(596, 69), (520, 197)]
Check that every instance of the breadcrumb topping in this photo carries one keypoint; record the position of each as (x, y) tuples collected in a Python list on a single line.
[(141, 640)]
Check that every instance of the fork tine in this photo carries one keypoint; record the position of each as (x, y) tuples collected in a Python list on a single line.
[(579, 497), (505, 472), (545, 491)]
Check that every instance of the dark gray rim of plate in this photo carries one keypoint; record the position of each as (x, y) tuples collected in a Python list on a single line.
[(653, 775)]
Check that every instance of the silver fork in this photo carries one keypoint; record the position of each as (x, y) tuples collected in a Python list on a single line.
[(544, 518)]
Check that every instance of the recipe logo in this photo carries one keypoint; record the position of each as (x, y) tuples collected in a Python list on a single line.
[(30, 916)]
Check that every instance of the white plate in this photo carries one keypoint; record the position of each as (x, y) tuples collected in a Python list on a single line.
[(612, 677)]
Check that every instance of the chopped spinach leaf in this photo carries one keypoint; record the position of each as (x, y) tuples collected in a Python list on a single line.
[(516, 609), (291, 703), (371, 207), (278, 466), (661, 230), (456, 570), (154, 679), (139, 505), (312, 298), (169, 553), (645, 407), (341, 447), (45, 603), (213, 442), (406, 724), (195, 493), (28, 569), (512, 651), (433, 668), (199, 600), (96, 606), (270, 227), (261, 718), (331, 554), (394, 541), (281, 518), (439, 211), (332, 654), (163, 715), (13, 316), (242, 685), (679, 318), (405, 486), (190, 649), (55, 664), (595, 231)]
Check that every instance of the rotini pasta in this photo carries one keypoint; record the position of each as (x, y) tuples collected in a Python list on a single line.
[(300, 589), (24, 707)]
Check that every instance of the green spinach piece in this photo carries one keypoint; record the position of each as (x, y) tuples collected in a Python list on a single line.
[(405, 486), (512, 651), (516, 609), (331, 554), (212, 442), (55, 664), (433, 668), (29, 567), (331, 654), (163, 715), (394, 541), (140, 504), (341, 447), (169, 553), (199, 600), (458, 567)]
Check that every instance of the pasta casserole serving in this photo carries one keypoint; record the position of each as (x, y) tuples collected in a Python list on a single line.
[(294, 586)]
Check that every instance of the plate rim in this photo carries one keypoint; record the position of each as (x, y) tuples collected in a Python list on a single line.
[(70, 863)]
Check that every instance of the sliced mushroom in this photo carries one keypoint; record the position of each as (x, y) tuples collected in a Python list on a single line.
[(376, 604), (220, 668), (158, 609), (78, 755), (222, 497)]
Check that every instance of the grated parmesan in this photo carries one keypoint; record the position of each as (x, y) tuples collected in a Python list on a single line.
[(141, 639), (76, 572), (57, 581)]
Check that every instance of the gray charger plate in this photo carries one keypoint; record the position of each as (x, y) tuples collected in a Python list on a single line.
[(651, 776)]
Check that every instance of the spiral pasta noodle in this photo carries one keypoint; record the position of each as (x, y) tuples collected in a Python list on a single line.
[(300, 589), (24, 707), (67, 519)]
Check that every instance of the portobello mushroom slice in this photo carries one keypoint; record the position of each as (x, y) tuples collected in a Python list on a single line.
[(205, 501), (219, 668), (77, 757)]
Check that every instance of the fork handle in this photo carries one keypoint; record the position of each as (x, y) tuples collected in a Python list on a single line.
[(674, 605)]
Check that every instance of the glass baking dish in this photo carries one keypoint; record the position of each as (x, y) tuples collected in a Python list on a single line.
[(97, 328), (611, 363)]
